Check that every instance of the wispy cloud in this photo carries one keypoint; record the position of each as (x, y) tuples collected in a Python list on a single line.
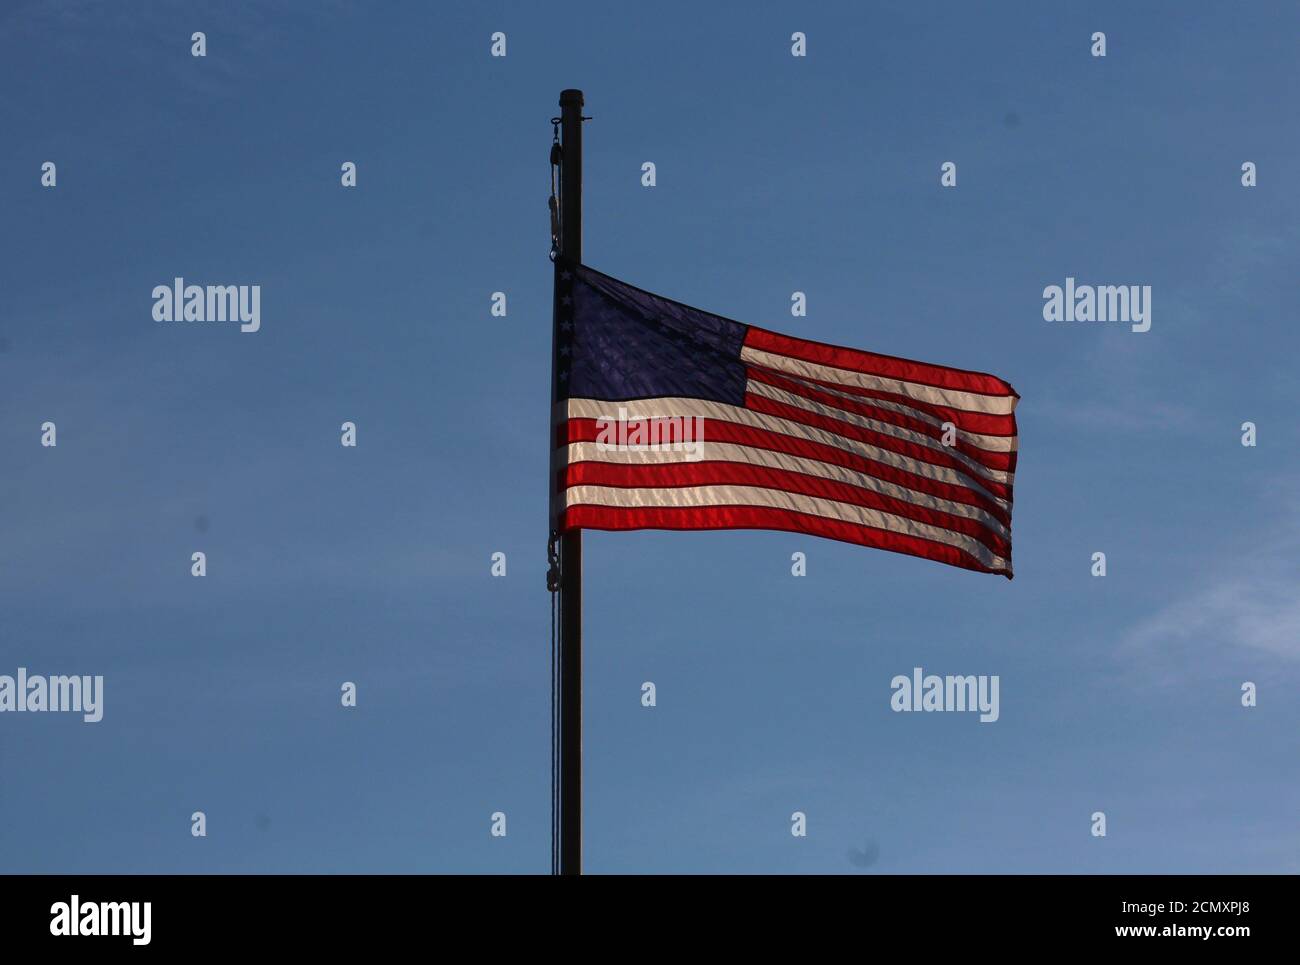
[(1131, 414), (242, 35), (1259, 610), (1112, 389), (1249, 601)]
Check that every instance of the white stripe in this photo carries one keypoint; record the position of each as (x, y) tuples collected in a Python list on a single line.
[(981, 441), (701, 496), (952, 398), (747, 455), (866, 422), (669, 407)]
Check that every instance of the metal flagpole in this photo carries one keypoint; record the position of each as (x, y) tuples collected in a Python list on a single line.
[(569, 801)]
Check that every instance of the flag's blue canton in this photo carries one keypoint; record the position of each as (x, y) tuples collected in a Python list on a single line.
[(619, 343)]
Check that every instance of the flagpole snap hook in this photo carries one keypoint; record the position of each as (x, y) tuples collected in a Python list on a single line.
[(553, 557)]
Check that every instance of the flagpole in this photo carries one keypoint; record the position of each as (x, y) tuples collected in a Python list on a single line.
[(570, 659)]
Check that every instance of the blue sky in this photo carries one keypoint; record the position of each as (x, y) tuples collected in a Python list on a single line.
[(775, 174)]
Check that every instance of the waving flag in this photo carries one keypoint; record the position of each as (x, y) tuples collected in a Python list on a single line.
[(674, 418)]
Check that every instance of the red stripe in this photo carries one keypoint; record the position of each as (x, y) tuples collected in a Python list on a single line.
[(719, 430), (886, 366), (756, 517), (912, 450), (704, 473), (994, 459), (982, 422)]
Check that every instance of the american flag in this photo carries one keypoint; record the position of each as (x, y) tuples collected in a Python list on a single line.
[(669, 417)]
